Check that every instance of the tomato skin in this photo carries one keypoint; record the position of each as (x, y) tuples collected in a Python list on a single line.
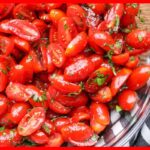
[(56, 15), (39, 137), (135, 51), (66, 31), (3, 104), (3, 77), (127, 20), (98, 8), (18, 110), (6, 45), (53, 34), (64, 86), (20, 74), (50, 6), (102, 39), (55, 140), (132, 10), (78, 71), (24, 12), (32, 121), (76, 45), (127, 99), (78, 15), (103, 95), (138, 39), (10, 138), (77, 132), (119, 80), (100, 112), (57, 54), (132, 62), (139, 77), (120, 59), (21, 44)]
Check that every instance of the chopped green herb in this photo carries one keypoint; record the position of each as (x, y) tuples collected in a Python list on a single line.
[(82, 85), (117, 21), (2, 129), (41, 98), (100, 79), (134, 5), (3, 71), (109, 54), (118, 44), (46, 128), (140, 38), (65, 26), (132, 58), (140, 17), (94, 137), (130, 48), (126, 30), (118, 108), (73, 94)]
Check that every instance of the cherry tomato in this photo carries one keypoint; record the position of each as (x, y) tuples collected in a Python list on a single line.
[(132, 9), (78, 15), (9, 138), (98, 8), (127, 20), (100, 113), (103, 95), (6, 45), (32, 121), (3, 77), (132, 62), (18, 110), (127, 99), (66, 31), (39, 137), (24, 12), (53, 34), (119, 80), (50, 6), (138, 77), (76, 131), (135, 51), (3, 104)]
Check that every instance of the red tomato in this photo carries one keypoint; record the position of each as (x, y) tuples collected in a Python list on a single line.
[(79, 70), (6, 45), (21, 44), (119, 80), (66, 31), (76, 131), (78, 15), (103, 95), (64, 86), (112, 17), (57, 54), (100, 113), (22, 28), (127, 99), (3, 104), (132, 62), (50, 6), (32, 121), (55, 140), (48, 127), (20, 74), (9, 138), (139, 77), (39, 137), (138, 39), (56, 15), (102, 39), (127, 20), (60, 123), (3, 77), (5, 9), (16, 91), (53, 35), (76, 45), (23, 11), (120, 59), (18, 110), (132, 8), (98, 8), (44, 17), (134, 51)]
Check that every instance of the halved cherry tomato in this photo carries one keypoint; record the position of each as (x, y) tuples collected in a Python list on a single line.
[(138, 77), (18, 110), (32, 121), (45, 17), (53, 34), (3, 104), (39, 137), (103, 95), (9, 137), (78, 14), (132, 9), (50, 6), (3, 77), (132, 62), (66, 31), (6, 45), (127, 99), (76, 131), (100, 113), (24, 12), (98, 8), (119, 80), (135, 51)]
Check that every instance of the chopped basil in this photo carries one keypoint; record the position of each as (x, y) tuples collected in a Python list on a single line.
[(81, 85), (132, 58), (41, 98), (100, 79), (140, 38), (73, 94), (118, 108), (94, 137), (65, 26), (130, 48), (117, 21), (126, 30), (134, 5), (3, 71), (2, 129), (118, 44), (109, 54), (142, 20), (46, 128), (113, 67)]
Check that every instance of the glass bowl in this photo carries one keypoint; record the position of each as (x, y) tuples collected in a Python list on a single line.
[(125, 125)]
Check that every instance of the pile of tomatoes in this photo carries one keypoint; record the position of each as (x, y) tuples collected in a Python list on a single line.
[(63, 67)]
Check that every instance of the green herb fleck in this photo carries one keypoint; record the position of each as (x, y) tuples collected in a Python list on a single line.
[(140, 38), (2, 129), (3, 71), (94, 137), (118, 44), (65, 26), (46, 128), (109, 54), (118, 108), (117, 21), (100, 79), (132, 58), (126, 30), (134, 5), (81, 85)]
